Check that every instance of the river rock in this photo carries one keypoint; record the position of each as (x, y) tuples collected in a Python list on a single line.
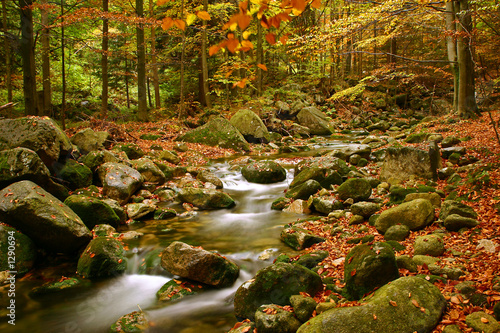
[(24, 164), (74, 174), (397, 232), (119, 181), (149, 171), (367, 267), (217, 132), (92, 211), (136, 322), (103, 257), (455, 222), (139, 210), (346, 152), (327, 204), (364, 208), (209, 177), (274, 284), (251, 126), (304, 190), (298, 206), (23, 248), (42, 217), (271, 318), (42, 135), (433, 197), (88, 140), (95, 159), (429, 245), (119, 210), (312, 118), (415, 214), (480, 321), (450, 207), (199, 265), (169, 156), (132, 150), (402, 163), (54, 287), (406, 305), (298, 238), (311, 260), (326, 171), (176, 289), (205, 198), (264, 172), (359, 189), (303, 306)]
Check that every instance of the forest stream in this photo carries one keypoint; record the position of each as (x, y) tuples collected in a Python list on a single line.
[(248, 234)]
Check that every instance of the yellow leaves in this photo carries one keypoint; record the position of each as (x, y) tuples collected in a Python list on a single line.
[(246, 45), (190, 19), (246, 34), (262, 66), (203, 15)]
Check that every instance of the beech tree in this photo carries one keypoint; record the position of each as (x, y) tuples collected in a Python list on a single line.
[(142, 113), (28, 57)]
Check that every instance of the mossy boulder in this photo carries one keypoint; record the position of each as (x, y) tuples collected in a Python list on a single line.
[(359, 189), (455, 222), (199, 265), (311, 260), (217, 132), (134, 322), (275, 284), (149, 171), (304, 190), (433, 197), (364, 208), (450, 207), (403, 163), (250, 126), (368, 267), (397, 232), (209, 177), (298, 238), (103, 257), (95, 159), (430, 245), (326, 170), (415, 214), (327, 204), (177, 289), (204, 198), (92, 211), (140, 210), (74, 174), (21, 246), (169, 156), (406, 305), (42, 135), (88, 140), (272, 318), (64, 284), (480, 321), (132, 150), (303, 306), (317, 122), (119, 181), (42, 217), (263, 172)]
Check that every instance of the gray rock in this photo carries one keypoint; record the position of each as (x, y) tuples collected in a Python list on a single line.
[(96, 158), (397, 232), (315, 120), (327, 204), (298, 238), (346, 152), (367, 267), (137, 211), (433, 197), (24, 250), (272, 318), (415, 214), (42, 217), (169, 156), (251, 126), (103, 257), (359, 189), (304, 190), (455, 222), (364, 208), (92, 211), (402, 163), (274, 284), (430, 245), (217, 132), (391, 309), (207, 176), (447, 152), (450, 207), (199, 265), (119, 181), (206, 198), (149, 171), (326, 171), (88, 140), (263, 172)]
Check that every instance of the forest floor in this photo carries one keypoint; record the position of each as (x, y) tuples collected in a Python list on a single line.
[(481, 267)]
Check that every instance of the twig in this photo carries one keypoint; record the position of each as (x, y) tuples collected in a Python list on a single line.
[(494, 126)]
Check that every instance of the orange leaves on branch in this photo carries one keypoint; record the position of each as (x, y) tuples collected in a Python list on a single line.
[(203, 15), (180, 24), (316, 4), (161, 2), (262, 66), (169, 22), (241, 84), (213, 50), (271, 38), (298, 6)]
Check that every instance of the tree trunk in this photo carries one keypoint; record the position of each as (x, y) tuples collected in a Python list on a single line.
[(467, 107), (260, 59), (126, 84), (45, 38), (154, 65), (183, 53), (104, 60), (142, 113), (28, 56), (205, 92), (451, 43), (63, 71), (8, 60)]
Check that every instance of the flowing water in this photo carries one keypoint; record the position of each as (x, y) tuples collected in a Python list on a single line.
[(248, 234)]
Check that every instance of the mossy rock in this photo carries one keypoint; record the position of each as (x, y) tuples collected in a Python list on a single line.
[(206, 198), (64, 284), (280, 203), (311, 260), (264, 172), (132, 150), (415, 214), (177, 289), (22, 246), (431, 245), (135, 322), (298, 238), (304, 190), (150, 137), (92, 211), (103, 257), (359, 189), (398, 193), (272, 318)]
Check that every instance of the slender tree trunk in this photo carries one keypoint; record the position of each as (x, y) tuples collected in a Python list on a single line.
[(260, 60), (451, 43), (8, 66), (142, 113), (45, 38), (28, 56), (205, 92), (154, 60), (467, 107), (63, 71), (104, 60), (182, 109), (126, 83)]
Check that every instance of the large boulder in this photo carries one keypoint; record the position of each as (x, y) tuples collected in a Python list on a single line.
[(315, 120), (103, 257), (326, 170), (298, 238), (23, 248), (429, 245), (274, 285), (406, 305), (451, 207), (217, 132), (264, 172), (251, 126), (271, 318), (402, 163), (119, 181), (345, 152), (368, 267), (42, 217), (199, 265), (415, 214), (74, 174), (42, 135), (88, 140), (92, 211), (24, 164), (205, 198), (95, 159), (304, 190), (359, 189), (149, 171)]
